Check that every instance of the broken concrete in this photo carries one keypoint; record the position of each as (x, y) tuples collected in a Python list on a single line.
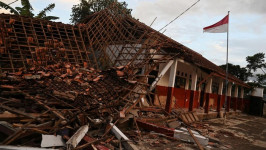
[(52, 141), (183, 134)]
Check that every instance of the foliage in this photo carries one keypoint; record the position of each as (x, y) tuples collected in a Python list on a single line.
[(42, 14), (26, 10), (240, 72), (261, 79), (251, 71), (88, 7), (256, 62), (5, 6)]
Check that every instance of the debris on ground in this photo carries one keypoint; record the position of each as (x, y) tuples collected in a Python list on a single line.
[(62, 105)]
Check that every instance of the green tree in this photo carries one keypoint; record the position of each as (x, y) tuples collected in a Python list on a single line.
[(255, 62), (261, 79), (88, 7), (240, 72), (26, 10)]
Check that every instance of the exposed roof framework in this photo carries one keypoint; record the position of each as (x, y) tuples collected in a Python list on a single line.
[(105, 39)]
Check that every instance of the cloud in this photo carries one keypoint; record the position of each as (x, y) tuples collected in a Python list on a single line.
[(163, 9), (238, 50), (173, 7), (219, 47), (247, 33), (62, 7), (238, 7), (4, 11)]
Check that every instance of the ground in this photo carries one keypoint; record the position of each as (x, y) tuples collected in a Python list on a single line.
[(239, 132)]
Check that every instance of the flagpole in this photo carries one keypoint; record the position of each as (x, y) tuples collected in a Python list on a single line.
[(226, 78)]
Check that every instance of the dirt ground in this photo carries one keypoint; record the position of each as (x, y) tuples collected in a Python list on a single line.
[(241, 132)]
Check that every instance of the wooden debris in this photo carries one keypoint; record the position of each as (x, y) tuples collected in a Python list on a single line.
[(122, 137), (195, 139), (77, 137)]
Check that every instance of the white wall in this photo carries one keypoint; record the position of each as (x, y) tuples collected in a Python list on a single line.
[(257, 92)]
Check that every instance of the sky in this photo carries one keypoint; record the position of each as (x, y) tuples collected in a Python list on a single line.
[(247, 23)]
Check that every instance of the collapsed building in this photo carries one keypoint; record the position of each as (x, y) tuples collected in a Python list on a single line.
[(102, 69)]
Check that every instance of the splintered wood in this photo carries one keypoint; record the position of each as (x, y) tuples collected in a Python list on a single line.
[(58, 102)]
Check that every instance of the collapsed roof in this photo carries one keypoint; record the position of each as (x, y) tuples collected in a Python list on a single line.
[(105, 39)]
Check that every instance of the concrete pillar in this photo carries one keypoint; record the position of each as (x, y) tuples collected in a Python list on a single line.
[(209, 85), (187, 84), (236, 91), (161, 77), (242, 99), (220, 90), (171, 85), (194, 79), (242, 93), (208, 91), (235, 97), (220, 93), (229, 91)]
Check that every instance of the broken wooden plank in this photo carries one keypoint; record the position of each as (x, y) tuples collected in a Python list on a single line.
[(8, 116), (195, 139), (15, 111), (188, 118), (49, 109), (155, 128), (123, 138), (195, 116), (19, 132), (137, 127), (6, 128), (183, 134), (183, 118), (77, 137), (191, 117)]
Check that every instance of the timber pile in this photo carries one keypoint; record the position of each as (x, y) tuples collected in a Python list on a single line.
[(73, 107), (58, 100)]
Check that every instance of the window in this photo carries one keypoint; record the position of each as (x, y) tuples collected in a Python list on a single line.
[(180, 82), (215, 87)]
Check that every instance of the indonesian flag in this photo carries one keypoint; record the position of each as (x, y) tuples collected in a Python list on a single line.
[(219, 27)]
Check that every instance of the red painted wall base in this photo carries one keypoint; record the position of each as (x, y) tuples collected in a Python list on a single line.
[(168, 105), (181, 98)]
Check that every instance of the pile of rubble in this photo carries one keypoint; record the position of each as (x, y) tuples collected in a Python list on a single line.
[(58, 100), (67, 106)]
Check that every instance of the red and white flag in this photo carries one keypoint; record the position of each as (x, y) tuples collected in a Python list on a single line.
[(219, 27)]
